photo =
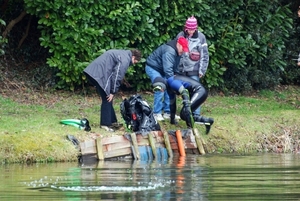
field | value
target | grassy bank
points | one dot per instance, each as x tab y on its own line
30	130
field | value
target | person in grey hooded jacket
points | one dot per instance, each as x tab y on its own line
106	73
194	64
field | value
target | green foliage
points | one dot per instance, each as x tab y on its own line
3	41
246	38
250	41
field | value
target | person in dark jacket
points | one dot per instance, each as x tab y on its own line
106	73
193	95
161	64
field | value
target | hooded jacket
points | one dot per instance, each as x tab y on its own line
196	43
109	69
165	59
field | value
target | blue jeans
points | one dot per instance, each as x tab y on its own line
197	111
161	99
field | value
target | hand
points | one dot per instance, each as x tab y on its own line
200	75
110	97
298	63
186	115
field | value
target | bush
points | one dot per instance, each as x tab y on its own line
247	39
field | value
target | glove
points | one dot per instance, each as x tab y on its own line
186	113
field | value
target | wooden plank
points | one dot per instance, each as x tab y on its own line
118	153
135	145
114	146
204	145
152	143
99	148
142	140
198	141
167	143
189	142
159	136
114	139
88	147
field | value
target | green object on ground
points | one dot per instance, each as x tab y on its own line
82	124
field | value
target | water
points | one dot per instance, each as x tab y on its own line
208	177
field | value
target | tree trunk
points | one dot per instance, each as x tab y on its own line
13	23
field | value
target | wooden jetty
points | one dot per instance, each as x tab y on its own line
155	145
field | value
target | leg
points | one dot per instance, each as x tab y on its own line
158	95
107	114
166	105
197	111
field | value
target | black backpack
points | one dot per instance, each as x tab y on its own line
138	115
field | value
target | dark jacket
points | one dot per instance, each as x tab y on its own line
165	59
109	69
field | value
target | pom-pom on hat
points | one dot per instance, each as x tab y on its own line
184	43
191	23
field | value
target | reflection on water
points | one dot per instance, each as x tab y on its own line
209	177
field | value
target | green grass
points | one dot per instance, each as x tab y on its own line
30	130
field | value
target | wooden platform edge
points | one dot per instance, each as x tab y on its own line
115	146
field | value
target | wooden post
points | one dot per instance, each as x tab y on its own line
198	141
167	143
204	145
180	143
99	147
152	144
135	145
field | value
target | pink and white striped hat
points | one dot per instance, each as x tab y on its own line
191	23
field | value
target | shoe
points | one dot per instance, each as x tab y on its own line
157	88
168	116
107	128
116	125
158	117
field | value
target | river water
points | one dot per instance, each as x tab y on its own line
194	177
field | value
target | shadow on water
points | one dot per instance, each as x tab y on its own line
208	177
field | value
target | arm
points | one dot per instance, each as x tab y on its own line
204	56
168	62
118	74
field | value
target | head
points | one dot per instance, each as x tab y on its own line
182	45
136	56
191	25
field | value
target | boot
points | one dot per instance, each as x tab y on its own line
207	121
186	113
173	119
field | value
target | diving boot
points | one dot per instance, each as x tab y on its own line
207	121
